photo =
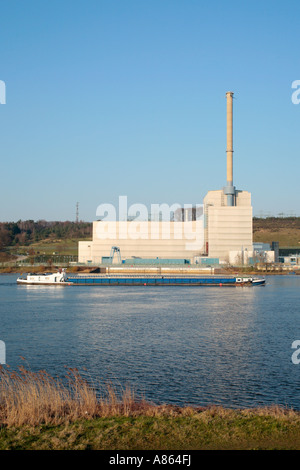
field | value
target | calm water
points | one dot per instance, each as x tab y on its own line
181	345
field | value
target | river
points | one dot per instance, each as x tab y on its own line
229	346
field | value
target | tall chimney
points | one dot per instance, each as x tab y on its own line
229	190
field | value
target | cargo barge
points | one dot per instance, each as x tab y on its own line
169	280
63	279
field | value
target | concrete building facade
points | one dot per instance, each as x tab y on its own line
143	239
227	228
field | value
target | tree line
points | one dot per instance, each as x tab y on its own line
24	233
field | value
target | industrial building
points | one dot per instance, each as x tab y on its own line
228	211
156	240
292	260
222	235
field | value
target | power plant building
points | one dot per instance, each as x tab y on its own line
227	228
224	232
143	240
228	212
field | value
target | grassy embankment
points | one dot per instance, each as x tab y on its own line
49	250
284	230
40	412
48	247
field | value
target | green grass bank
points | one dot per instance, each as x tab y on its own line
210	429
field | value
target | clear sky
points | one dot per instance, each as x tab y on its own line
127	97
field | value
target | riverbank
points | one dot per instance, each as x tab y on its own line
164	429
39	412
85	269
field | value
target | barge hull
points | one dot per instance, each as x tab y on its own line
152	281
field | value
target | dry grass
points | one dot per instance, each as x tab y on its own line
35	398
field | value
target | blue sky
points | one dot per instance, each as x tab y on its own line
113	97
